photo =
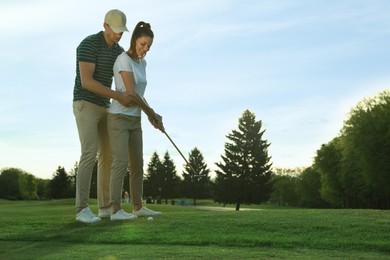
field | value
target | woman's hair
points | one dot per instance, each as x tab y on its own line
141	29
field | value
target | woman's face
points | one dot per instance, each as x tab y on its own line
142	45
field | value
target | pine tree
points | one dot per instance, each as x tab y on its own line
170	180
153	180
196	185
245	173
60	185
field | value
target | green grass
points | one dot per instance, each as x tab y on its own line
47	230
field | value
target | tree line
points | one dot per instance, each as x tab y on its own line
351	171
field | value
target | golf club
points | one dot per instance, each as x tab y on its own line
145	106
165	132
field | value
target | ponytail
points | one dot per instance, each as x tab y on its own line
143	25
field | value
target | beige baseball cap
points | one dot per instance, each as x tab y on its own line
116	19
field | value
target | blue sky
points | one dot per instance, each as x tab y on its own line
299	65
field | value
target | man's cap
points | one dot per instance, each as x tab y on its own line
116	19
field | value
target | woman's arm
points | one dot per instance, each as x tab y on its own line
129	81
154	118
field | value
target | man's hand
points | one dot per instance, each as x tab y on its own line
126	99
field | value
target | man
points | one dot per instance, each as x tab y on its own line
92	92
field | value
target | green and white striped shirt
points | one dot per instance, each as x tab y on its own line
95	50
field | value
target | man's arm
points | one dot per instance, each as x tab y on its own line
88	82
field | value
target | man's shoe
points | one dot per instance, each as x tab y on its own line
86	216
104	212
146	212
122	215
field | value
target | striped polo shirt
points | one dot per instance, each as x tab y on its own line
94	49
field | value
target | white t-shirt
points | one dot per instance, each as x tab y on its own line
125	63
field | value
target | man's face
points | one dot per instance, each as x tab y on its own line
112	36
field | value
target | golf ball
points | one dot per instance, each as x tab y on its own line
149	218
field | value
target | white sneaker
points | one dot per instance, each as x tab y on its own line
104	212
86	216
122	215
146	212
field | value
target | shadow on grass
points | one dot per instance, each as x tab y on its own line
50	231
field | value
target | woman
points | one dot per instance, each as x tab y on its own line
124	124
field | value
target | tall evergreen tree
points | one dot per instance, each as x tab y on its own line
153	180
60	184
245	173
170	180
196	185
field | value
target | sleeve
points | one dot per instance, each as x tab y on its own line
124	64
87	51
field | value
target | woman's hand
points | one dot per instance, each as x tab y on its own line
156	121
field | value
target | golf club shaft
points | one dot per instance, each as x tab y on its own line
165	132
179	152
